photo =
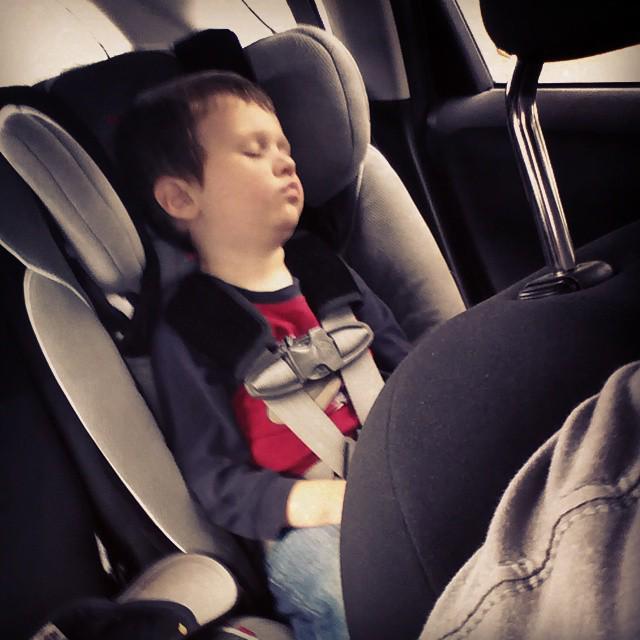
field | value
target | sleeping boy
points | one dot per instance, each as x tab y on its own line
207	154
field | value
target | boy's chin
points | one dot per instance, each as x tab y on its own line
288	226
285	232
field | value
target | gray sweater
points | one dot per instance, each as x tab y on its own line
562	555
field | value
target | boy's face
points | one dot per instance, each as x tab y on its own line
251	197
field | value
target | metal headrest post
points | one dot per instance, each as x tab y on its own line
542	192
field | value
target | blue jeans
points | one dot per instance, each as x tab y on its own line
303	568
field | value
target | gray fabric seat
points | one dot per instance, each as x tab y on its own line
312	79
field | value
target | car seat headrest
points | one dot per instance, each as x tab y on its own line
79	197
322	104
213	49
313	80
547	30
98	93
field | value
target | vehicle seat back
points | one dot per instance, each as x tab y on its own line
457	420
478	396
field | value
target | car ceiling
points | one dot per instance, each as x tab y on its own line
41	38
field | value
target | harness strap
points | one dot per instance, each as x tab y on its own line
313	426
279	378
360	376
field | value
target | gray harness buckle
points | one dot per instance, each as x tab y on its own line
312	356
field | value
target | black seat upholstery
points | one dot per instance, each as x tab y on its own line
457	420
547	31
479	395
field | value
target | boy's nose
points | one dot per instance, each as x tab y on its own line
285	165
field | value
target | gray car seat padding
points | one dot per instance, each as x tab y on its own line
79	197
111	409
418	287
198	582
322	103
191	579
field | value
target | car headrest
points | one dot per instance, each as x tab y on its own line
79	197
322	103
548	30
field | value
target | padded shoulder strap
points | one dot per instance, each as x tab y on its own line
203	308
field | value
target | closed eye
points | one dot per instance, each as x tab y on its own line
283	145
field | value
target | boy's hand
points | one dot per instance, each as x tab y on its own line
315	503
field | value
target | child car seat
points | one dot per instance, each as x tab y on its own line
354	198
105	245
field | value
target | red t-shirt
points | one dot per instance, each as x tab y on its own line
273	445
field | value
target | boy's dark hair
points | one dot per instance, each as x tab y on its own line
158	136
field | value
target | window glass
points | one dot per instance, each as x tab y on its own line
41	38
248	20
617	66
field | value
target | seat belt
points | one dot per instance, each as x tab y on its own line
279	378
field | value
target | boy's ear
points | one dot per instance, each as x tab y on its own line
176	197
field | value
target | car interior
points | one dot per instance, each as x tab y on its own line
425	173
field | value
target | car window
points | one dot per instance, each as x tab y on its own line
622	66
41	38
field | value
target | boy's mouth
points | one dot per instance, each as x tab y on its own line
292	191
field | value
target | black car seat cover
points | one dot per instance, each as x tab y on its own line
455	422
